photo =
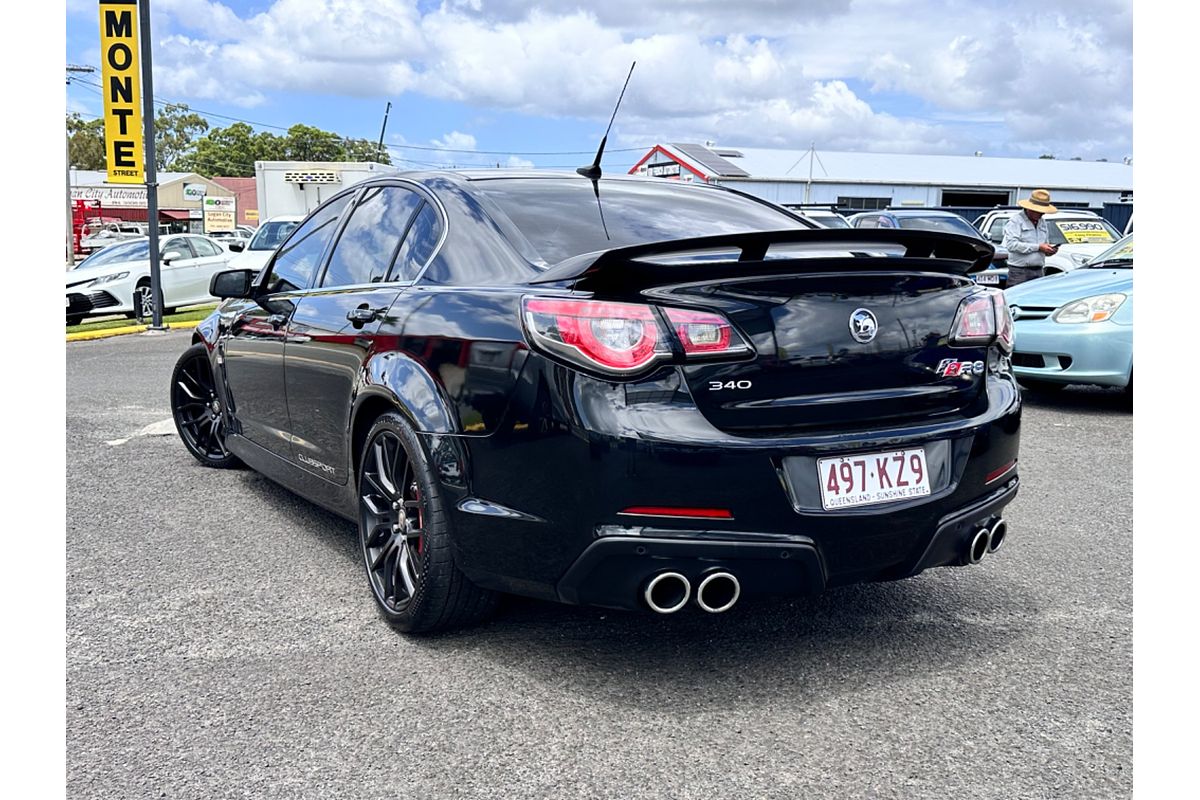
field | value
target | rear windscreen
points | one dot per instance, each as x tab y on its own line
561	219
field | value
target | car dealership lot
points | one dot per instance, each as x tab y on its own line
221	642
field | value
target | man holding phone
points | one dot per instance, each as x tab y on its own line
1027	238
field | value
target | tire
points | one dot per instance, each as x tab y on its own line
143	297
404	536
197	410
1043	387
74	319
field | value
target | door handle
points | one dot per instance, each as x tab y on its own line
364	314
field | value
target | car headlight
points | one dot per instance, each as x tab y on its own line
1080	259
1090	309
110	278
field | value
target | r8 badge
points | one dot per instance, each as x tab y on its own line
948	368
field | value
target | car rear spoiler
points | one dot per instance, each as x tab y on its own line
632	267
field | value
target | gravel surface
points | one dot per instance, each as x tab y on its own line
222	642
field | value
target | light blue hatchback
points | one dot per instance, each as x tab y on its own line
1077	327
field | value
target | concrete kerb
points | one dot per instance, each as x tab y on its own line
83	336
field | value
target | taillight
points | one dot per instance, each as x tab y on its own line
702	331
975	323
625	338
1004	333
614	337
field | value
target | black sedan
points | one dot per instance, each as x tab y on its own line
618	392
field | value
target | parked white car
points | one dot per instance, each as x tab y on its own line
1080	235
266	241
116	280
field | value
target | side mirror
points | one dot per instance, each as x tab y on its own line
236	247
172	255
232	283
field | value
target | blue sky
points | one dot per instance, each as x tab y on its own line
466	76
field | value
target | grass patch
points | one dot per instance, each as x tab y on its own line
187	315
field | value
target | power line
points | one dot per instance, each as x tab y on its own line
428	148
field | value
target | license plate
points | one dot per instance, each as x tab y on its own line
985	278
870	478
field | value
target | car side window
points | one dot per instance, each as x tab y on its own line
299	257
369	241
180	245
868	222
418	246
204	248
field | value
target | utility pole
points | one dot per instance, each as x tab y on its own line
72	69
151	166
379	149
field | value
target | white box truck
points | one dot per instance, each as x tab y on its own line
297	187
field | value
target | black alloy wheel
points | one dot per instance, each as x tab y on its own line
393	522
404	533
197	409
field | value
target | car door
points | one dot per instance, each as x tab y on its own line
331	331
251	348
210	259
177	265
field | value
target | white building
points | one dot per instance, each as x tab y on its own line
878	180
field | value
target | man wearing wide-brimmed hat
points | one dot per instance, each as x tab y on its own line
1027	238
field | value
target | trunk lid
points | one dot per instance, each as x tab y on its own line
799	300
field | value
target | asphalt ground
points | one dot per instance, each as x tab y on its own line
222	643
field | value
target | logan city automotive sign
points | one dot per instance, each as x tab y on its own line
122	90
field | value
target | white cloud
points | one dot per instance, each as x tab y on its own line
898	75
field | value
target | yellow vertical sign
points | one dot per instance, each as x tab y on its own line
122	90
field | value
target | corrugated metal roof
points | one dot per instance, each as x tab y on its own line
843	167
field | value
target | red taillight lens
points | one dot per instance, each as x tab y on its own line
613	337
702	331
1004	334
975	323
626	338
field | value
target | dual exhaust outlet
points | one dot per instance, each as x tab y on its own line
668	592
986	540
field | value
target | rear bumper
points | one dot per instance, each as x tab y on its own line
615	568
1099	353
536	508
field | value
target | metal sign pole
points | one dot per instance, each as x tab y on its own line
151	166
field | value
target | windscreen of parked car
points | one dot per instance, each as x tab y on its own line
561	218
940	225
271	235
830	220
1119	256
1081	231
117	253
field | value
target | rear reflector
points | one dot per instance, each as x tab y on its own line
685	513
997	474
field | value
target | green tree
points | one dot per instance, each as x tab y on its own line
366	150
86	147
175	129
229	151
306	143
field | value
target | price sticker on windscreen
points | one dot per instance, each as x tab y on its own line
1084	232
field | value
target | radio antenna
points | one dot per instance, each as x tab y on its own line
593	172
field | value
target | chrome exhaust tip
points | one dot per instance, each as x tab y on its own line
718	592
667	592
978	548
998	532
